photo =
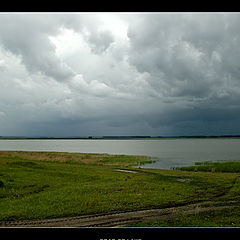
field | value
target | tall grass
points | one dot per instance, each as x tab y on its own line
218	166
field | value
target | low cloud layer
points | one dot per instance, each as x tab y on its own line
119	74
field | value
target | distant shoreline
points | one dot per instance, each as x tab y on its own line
116	137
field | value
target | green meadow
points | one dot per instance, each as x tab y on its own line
41	185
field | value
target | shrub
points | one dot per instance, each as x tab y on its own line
1	183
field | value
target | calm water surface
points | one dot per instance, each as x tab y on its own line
167	152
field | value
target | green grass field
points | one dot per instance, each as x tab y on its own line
38	185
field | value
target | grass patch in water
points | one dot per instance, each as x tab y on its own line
214	166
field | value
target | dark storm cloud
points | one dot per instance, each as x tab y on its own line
192	59
176	48
73	74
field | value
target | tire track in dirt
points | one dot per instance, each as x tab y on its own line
118	219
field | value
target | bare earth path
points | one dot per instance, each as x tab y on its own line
118	219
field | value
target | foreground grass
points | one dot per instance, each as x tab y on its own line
35	185
217	218
214	218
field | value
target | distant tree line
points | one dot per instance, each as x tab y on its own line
119	137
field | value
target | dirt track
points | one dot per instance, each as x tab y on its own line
117	219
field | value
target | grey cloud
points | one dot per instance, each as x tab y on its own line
27	37
100	41
189	55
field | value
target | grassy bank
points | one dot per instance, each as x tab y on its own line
35	185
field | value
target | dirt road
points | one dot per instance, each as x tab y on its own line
118	219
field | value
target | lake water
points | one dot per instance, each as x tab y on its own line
167	152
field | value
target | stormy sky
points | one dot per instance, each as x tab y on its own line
82	74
